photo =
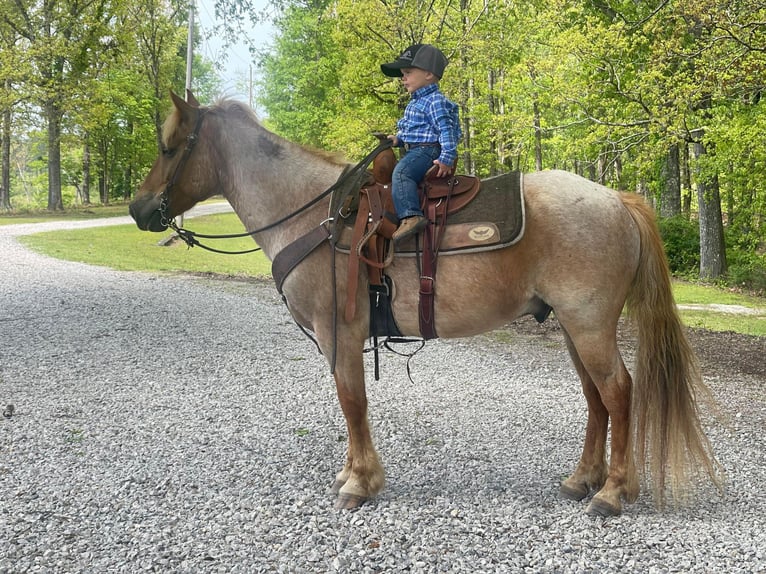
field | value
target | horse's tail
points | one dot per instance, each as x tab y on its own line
671	447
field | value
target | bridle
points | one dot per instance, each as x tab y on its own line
191	238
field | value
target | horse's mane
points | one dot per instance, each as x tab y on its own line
246	116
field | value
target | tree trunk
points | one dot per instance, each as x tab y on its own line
730	203
495	138
102	187
468	131
54	115
538	135
601	169
642	189
128	191
686	177
712	246
670	184
127	182
5	186
86	172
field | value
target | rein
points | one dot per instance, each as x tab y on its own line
191	238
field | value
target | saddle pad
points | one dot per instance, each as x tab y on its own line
493	220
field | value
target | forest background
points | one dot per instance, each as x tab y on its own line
661	98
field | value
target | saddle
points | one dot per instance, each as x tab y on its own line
374	226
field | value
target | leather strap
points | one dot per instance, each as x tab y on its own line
353	258
287	259
427	278
436	212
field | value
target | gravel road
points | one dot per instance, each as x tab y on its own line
181	424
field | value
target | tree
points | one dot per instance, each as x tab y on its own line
670	183
160	33
302	74
12	71
712	246
60	35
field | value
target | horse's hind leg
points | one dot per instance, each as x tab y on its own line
598	358
362	476
591	471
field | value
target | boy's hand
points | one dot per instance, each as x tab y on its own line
394	140
443	169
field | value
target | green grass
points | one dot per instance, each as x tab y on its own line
695	293
125	247
715	321
720	320
73	213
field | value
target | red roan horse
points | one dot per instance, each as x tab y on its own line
586	252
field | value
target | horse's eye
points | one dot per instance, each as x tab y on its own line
168	152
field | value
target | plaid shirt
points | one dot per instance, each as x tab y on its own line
430	117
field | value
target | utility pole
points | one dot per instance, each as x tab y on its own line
189	60
190	45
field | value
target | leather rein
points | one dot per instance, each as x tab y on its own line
191	238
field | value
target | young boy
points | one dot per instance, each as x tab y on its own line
428	131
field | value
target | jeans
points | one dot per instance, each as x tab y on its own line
408	173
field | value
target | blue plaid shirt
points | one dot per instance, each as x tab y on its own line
430	117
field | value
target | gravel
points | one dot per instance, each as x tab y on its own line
184	424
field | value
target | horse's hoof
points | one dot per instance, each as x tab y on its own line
574	491
349	501
336	486
602	508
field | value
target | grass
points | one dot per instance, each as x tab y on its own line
699	294
74	213
125	247
720	320
717	321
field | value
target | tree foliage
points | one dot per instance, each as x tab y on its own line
91	77
663	97
660	97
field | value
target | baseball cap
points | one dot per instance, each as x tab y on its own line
423	56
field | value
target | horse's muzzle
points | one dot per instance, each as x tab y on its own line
147	214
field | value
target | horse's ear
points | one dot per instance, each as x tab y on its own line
191	100
178	102
188	112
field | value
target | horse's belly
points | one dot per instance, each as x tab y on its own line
472	294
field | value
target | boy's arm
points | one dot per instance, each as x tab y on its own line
444	117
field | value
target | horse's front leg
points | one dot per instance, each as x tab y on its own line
362	476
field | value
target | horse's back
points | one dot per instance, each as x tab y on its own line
573	200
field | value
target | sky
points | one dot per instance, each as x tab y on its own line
235	74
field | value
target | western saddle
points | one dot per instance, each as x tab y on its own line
371	242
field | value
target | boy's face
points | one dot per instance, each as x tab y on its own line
415	78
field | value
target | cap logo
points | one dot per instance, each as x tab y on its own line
406	56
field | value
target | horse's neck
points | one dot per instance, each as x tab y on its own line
271	186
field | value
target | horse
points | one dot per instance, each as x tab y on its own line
587	252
